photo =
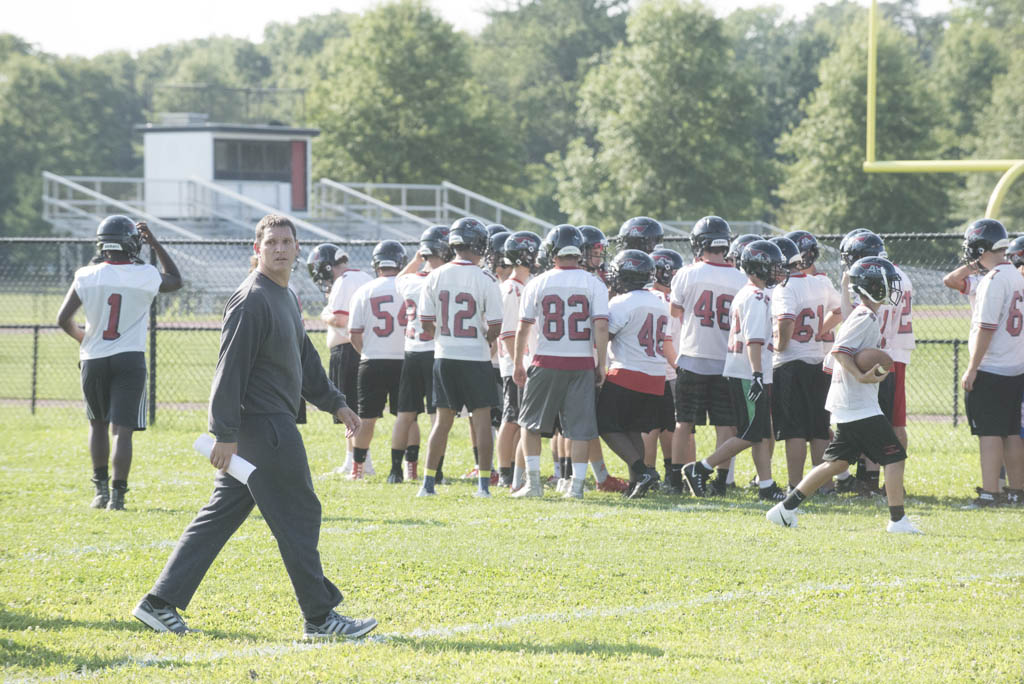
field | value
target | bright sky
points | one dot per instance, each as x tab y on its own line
93	26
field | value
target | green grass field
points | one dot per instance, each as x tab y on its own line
666	589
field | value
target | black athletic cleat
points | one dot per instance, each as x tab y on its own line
628	492
102	493
717	487
164	619
697	478
847	486
116	502
646	481
984	500
1013	497
772	493
338	626
395	476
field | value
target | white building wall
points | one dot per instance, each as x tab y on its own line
169	159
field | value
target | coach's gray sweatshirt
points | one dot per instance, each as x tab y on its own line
266	360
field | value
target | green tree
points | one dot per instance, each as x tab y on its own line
672	120
824	188
398	104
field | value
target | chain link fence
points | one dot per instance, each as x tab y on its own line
39	363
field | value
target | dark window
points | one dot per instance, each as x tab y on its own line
252	160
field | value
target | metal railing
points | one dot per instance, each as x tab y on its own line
364	213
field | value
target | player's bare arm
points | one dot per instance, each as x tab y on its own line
785	333
413	266
831	320
170	279
982	342
846	304
522	334
356	338
957	278
601	342
66	315
493	330
428	328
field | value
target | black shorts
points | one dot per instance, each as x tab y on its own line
753	420
512	397
459	383
114	388
620	409
496	409
378	384
343	370
799	390
666	417
993	406
873	437
417	384
702	399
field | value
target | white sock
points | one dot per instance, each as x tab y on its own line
533	464
518	475
845	475
579	471
600	472
707	466
765	484
731	478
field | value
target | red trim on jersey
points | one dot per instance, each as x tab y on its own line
341	311
965	287
117	263
568	363
988	326
461	262
787	317
505	336
637	381
356	330
513	278
428	319
527	320
600	317
797	275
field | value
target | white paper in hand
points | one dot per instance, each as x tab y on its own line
238	467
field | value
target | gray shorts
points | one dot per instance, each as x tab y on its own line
568	395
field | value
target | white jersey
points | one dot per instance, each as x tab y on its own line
116	299
704	291
638	326
563	303
848	398
751	315
511	297
674	328
378	313
898	324
1000	308
409	287
339	301
806	300
462	300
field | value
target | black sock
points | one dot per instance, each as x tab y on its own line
896	513
862	469
676	474
872	478
637	469
412	453
668	466
703	467
101	474
396	458
476	456
156	601
359	455
440	464
795	498
119	484
567	468
722	474
506	472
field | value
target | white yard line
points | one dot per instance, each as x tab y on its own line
445	632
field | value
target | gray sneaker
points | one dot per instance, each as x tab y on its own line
160	619
338	625
116	502
102	493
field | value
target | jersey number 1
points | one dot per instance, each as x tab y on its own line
111	333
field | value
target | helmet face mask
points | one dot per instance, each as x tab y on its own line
468	233
1015	252
710	232
763	259
595	247
322	261
667	262
389	254
495	255
631	269
640	232
984	235
118	233
876	279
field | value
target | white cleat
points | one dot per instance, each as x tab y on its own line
368	466
902	526
780	516
563	485
574	490
533	489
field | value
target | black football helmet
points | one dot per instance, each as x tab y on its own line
118	233
495	255
667	263
984	235
640	232
434	243
808	246
566	241
495	228
631	269
595	246
321	263
876	278
790	253
544	258
522	249
388	254
1015	252
711	232
860	243
470	234
763	259
736	248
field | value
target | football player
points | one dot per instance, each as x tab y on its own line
115	291
377	330
732	257
748	369
701	297
630	399
570	308
805	309
329	270
994	379
640	232
415	389
667	262
853	402
595	250
460	306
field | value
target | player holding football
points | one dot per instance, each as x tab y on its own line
116	291
853	402
749	372
377	329
460	306
570	308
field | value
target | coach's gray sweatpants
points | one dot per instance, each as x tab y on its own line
282	488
